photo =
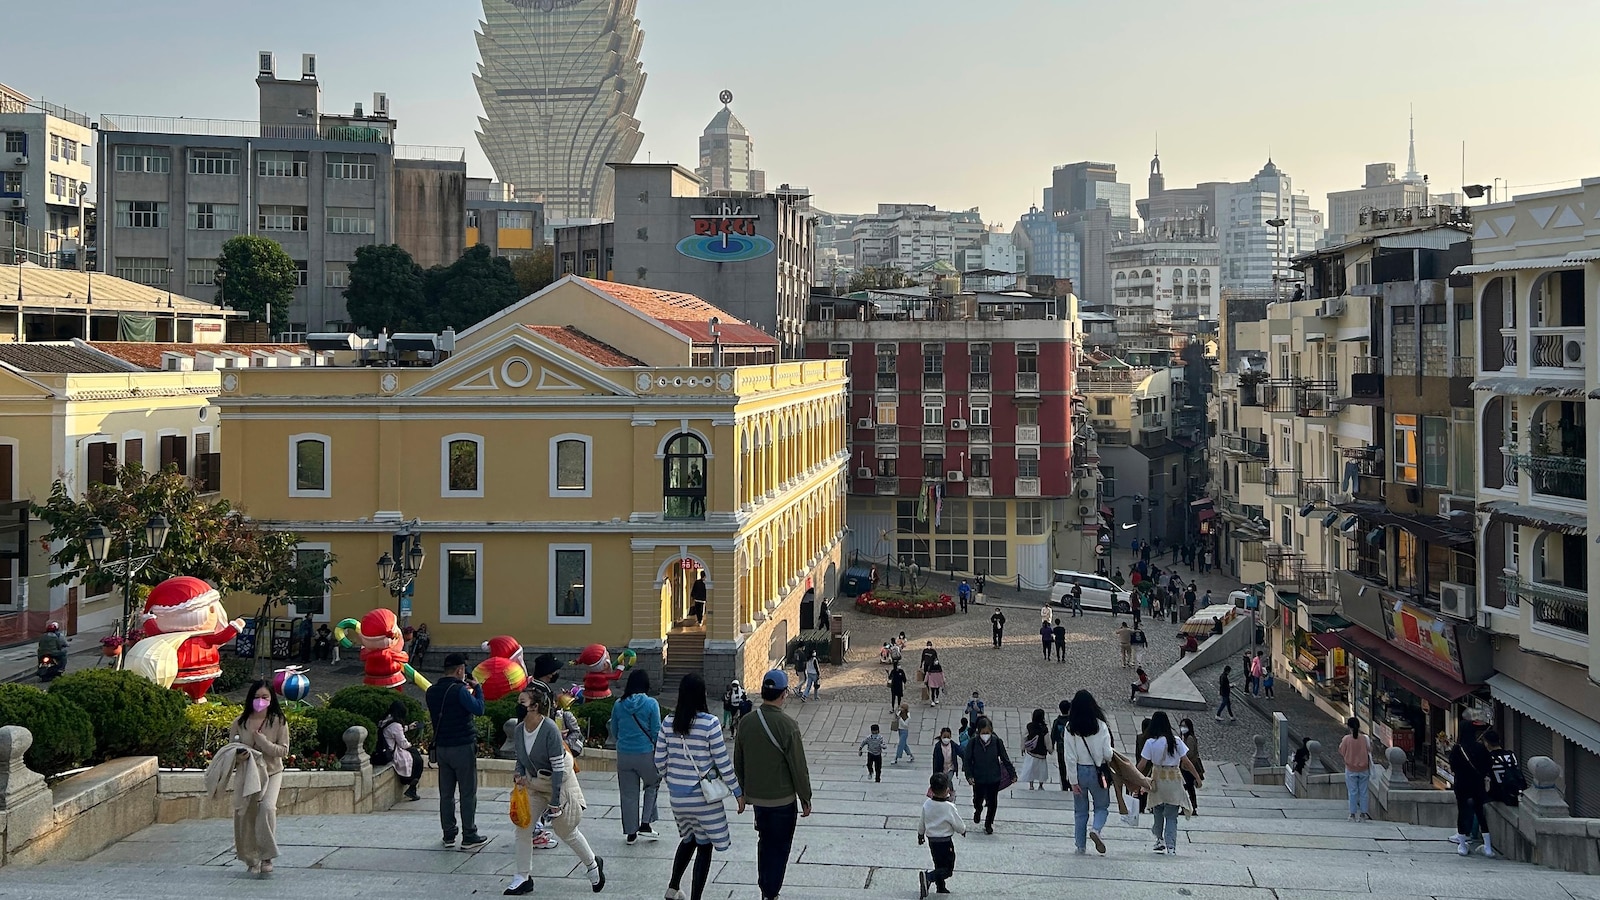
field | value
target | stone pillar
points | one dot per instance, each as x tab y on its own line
508	750
1314	764
1280	738
355	757
1261	760
1543	796
1397	768
24	797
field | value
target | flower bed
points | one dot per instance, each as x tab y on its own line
914	606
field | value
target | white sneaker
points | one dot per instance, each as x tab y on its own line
1486	851
675	894
1458	839
1463	849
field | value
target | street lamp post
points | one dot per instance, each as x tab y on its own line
154	537
1277	246
398	568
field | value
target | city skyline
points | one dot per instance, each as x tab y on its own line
859	145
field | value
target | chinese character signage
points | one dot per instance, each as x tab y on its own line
726	235
1424	636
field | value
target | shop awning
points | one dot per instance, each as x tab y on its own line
1417	677
1203	501
1558	716
1107	511
1537	517
1327	640
1205	514
1430	528
1329	622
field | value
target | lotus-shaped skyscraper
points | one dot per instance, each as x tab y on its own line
560	81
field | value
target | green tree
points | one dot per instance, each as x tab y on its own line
385	290
536	271
209	539
253	275
471	289
878	278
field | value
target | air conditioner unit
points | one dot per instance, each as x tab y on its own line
21	160
863	423
1084	512
1449	505
1049	317
958	424
1085	493
1572	353
954	475
1458	601
19	202
863	472
1331	309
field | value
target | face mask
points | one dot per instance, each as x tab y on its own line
985	737
1183	730
260	705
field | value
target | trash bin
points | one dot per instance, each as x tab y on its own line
836	625
839	647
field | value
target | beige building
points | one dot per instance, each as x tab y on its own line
573	465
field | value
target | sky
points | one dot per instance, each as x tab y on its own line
956	103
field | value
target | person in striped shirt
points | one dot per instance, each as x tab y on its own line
690	748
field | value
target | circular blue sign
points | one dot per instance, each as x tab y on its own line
726	247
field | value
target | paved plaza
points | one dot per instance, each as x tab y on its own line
1249	842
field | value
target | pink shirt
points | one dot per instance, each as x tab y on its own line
1357	753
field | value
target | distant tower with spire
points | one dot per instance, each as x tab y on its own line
1412	176
1158	182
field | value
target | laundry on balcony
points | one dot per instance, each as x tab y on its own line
1429	528
1527	387
1537	517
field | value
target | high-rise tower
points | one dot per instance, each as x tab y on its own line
727	154
559	81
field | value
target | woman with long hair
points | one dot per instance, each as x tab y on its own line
636	724
1164	757
1356	751
1187	735
1036	750
263	728
544	769
406	760
1088	756
691	748
987	765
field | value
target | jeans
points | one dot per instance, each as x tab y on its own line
985	795
1355	788
905	746
813	686
875	765
1089	780
943	851
774	839
458	772
1166	825
996	636
636	773
1226	704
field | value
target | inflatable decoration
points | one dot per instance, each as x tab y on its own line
596	662
291	683
500	677
378	637
184	623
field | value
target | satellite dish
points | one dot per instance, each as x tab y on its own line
726	97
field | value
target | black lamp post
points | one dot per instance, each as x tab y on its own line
152	538
399	567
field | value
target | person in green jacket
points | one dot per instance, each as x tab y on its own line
769	760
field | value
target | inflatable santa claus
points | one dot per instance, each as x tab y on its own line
503	673
382	660
184	623
598	675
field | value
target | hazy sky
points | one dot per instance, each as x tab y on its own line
951	102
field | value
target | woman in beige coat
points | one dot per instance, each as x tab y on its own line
263	728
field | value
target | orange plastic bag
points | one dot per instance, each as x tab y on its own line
521	809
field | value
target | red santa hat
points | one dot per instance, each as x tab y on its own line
591	656
181	604
378	623
504	647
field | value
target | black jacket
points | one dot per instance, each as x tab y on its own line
1471	766
985	763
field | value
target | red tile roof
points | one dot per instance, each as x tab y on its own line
148	355
578	342
686	314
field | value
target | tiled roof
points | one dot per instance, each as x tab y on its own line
148	355
60	359
578	342
69	287
684	313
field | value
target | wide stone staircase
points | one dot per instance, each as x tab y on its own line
1249	841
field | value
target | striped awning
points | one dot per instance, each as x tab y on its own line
1575	258
1536	516
1526	387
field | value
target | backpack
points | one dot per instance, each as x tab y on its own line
383	754
1506	777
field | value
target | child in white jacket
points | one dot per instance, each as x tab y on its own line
938	826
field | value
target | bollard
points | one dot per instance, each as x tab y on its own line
1397	767
1314	764
508	750
1543	796
355	757
1261	760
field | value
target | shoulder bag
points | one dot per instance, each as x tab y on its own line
1102	770
712	788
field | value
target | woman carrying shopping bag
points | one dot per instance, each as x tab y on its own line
544	770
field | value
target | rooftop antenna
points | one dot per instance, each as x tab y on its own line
1411	157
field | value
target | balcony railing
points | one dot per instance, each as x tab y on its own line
1508	348
1368	566
1027	487
933	381
933	434
1318	490
1281	482
1553	605
1237	443
979	487
1278	395
888	434
1027	382
979	381
888	381
887	484
1316	584
1027	434
1558	476
1550	346
1317	399
978	434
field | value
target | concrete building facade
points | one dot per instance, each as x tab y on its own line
495	217
1168	275
46	174
727	155
1256	255
914	236
1051	251
1380	192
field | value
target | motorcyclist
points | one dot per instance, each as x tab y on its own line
53	645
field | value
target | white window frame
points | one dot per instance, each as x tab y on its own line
122	447
327	589
444	465
588	585
327	465
444	584
588	467
932	416
979	415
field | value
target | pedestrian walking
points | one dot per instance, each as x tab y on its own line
1225	691
1137	642
1124	636
454	702
1036	749
940	822
1257	672
897	685
1164	757
965	593
997	626
1266	683
1058	739
900	724
1206	600
1059	634
395	749
1118	578
978	586
872	747
636	726
770	761
1047	638
1187	735
261	734
1356	751
1506	780
1077	600
813	685
544	769
989	770
1089	766
691	756
935	680
306	632
1144	551
697	599
946	756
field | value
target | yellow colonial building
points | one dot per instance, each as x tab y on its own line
573	464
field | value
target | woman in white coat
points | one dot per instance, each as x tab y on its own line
1086	747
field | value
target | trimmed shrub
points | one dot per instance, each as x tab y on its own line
63	736
331	725
373	702
303	734
594	717
131	715
499	711
236	674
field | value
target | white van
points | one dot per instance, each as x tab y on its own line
1099	592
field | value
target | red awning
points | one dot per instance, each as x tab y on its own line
1327	640
1205	514
1107	511
1417	677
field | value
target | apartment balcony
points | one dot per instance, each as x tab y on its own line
1366	387
1028	383
1508	348
1110	381
1317	399
1281	482
1278	395
1027	434
980	487
1027	487
979	382
1557	476
933	434
1318	490
1553	605
1243	446
1367	565
888	381
978	434
886	485
933	381
887	434
1549	348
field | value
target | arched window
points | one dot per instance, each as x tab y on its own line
684	476
571	459
461	466
1177	276
310	465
